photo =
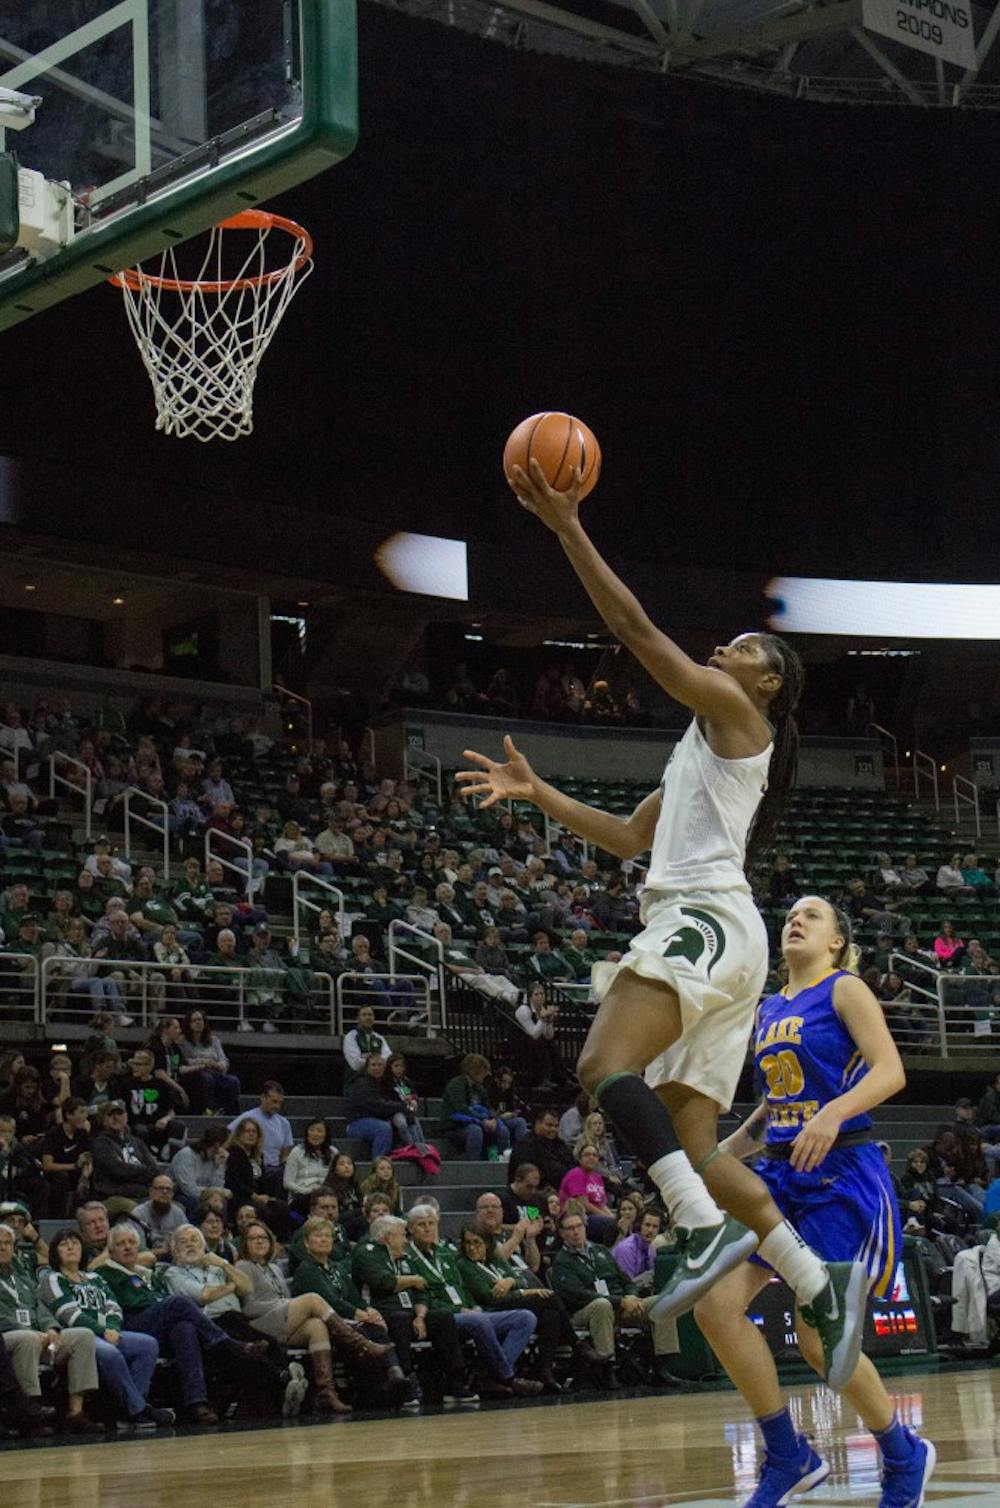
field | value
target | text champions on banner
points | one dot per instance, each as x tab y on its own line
941	27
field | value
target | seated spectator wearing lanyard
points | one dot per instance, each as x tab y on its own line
331	1280
381	1267
494	1282
27	1337
125	1361
600	1297
499	1338
181	1328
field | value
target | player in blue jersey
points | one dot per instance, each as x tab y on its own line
825	1058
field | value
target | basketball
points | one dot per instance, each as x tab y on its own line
559	443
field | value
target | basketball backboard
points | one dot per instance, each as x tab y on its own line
139	123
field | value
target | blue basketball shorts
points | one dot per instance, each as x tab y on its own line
845	1209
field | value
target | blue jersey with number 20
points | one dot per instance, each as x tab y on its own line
805	1057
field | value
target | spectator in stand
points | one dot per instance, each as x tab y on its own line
918	1193
152	1105
120	868
373	1112
360	1043
10	1062
950	880
123	1165
26	1104
613	909
343	1181
782	883
199	1168
545	963
276	1131
296	851
192	899
320	1276
595	1130
97	1087
419	913
499	1337
176	965
308	1164
977	878
543	1147
250	1180
988	1111
584	1184
21	1178
66	1159
213	1229
863	906
181	1328
19	828
121	946
601	1298
27	1336
382	1180
495	1283
887	880
977	960
635	1254
159	1215
54	1084
467	1117
949	949
215	790
324	1204
204	1068
914	878
971	1171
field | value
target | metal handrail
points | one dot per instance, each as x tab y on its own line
131	793
998	816
155	987
86	790
930	770
411	765
368	737
962	1010
894	741
343	981
304	701
396	926
960	796
930	993
234	842
552	832
303	877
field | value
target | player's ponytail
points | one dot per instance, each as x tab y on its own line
782	659
849	957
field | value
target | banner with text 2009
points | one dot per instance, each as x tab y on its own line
941	27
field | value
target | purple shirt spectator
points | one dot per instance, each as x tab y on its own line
634	1256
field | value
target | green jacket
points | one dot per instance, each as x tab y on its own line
138	1289
373	1269
90	1305
18	1291
575	1276
479	1278
297	1248
332	1281
580	960
463	1101
446	1292
988	1113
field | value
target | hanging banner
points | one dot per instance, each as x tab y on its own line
941	27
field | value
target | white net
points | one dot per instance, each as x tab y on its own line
202	333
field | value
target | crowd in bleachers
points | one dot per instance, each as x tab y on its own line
157	1212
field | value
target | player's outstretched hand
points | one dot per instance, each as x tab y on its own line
815	1140
556	509
513	781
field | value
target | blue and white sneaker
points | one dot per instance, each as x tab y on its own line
904	1482
783	1477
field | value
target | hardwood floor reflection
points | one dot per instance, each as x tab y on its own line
700	1450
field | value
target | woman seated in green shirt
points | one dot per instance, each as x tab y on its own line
498	1283
319	1274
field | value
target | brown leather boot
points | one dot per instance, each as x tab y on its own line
328	1401
351	1338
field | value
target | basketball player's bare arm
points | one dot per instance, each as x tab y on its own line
515	780
710	693
862	1015
747	1140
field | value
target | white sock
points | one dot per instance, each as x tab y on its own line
789	1255
684	1192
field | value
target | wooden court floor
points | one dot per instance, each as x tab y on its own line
698	1449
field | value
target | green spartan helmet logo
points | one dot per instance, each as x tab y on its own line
690	942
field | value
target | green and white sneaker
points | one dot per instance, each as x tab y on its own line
706	1254
838	1315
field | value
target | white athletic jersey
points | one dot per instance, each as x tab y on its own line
708	805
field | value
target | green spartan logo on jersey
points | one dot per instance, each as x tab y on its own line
690	942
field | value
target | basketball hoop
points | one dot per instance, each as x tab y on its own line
202	338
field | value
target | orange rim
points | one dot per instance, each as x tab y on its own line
247	219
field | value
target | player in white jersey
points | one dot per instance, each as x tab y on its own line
680	1004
